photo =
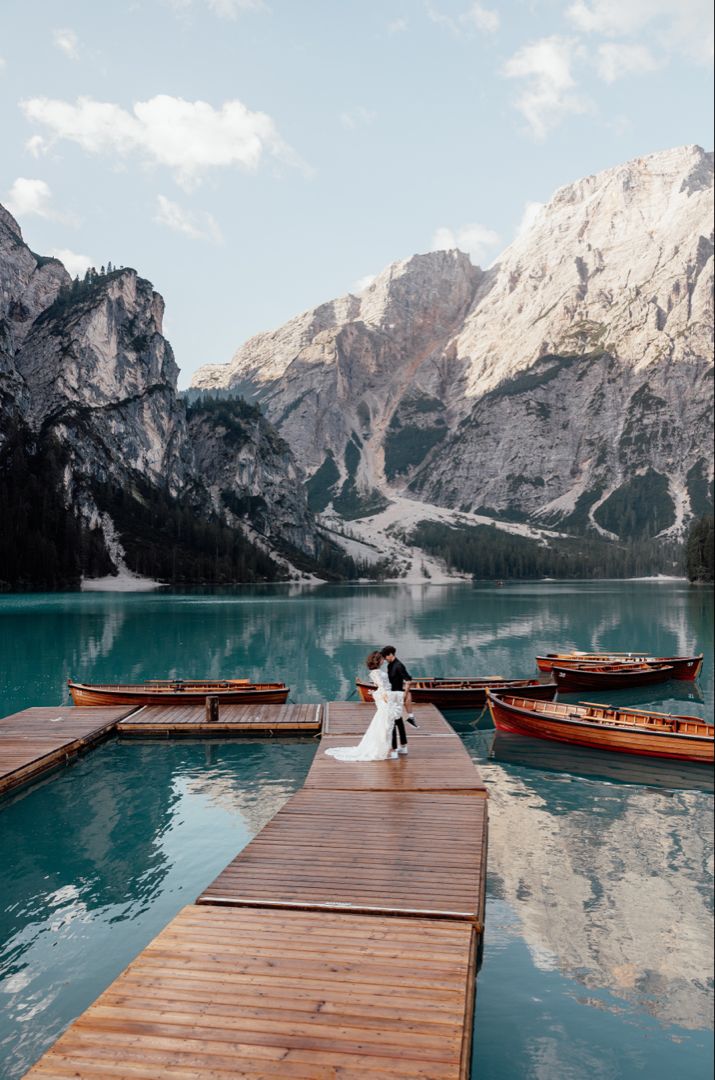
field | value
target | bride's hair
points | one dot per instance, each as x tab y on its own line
374	660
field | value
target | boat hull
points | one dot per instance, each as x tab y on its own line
510	717
466	697
94	695
584	678
684	667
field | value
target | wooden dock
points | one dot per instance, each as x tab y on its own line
170	721
223	993
412	853
34	741
342	942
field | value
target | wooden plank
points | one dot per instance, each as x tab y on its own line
434	764
39	739
256	720
280	994
407	853
353	718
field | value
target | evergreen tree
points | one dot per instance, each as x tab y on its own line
699	549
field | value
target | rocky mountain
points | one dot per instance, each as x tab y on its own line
100	469
570	384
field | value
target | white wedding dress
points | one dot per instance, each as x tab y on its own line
376	743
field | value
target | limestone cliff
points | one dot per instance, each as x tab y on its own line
89	408
250	473
570	383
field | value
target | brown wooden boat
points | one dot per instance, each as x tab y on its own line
610	676
179	692
684	667
465	693
603	727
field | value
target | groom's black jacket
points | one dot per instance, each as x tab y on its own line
398	674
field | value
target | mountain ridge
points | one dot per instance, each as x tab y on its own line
435	382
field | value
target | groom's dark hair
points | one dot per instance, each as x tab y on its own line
389	650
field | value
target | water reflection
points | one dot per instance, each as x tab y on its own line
610	883
316	638
602	764
98	858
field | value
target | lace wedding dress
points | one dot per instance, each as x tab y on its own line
376	743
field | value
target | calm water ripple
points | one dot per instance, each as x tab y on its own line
598	957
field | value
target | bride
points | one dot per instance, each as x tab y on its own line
376	743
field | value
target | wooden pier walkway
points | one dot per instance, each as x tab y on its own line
259	720
36	740
224	993
342	942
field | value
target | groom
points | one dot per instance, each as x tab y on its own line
399	678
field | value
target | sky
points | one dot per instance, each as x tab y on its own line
255	158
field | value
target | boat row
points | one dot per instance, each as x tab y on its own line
570	671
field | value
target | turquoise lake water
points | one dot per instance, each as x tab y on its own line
598	951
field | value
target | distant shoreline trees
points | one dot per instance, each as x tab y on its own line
699	549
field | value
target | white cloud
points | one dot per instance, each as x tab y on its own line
188	137
75	264
528	218
363	283
476	240
615	60
32	198
231	9
67	42
481	18
397	26
36	146
684	26
225	9
475	17
357	117
197	226
548	95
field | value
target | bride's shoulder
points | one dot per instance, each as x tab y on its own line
378	676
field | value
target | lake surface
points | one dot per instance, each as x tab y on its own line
598	953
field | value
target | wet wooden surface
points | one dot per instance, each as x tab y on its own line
247	992
169	720
38	739
432	764
353	718
398	853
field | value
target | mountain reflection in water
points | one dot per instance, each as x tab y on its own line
608	880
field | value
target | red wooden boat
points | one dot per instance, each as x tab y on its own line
610	676
684	667
179	692
603	727
464	693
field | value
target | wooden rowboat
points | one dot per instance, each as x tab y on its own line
464	693
610	676
179	692
603	727
684	667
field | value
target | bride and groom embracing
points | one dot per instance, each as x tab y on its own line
391	695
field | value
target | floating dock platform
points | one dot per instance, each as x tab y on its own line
170	721
35	741
342	942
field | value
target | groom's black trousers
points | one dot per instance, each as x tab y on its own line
399	727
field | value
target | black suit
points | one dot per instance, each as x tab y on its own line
398	674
